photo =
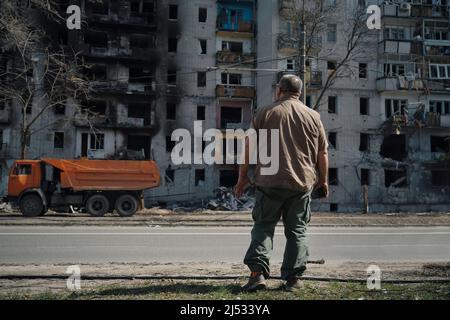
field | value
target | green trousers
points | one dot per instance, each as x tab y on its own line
271	205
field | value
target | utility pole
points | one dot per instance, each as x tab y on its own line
302	53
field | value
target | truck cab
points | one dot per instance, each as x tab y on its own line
24	175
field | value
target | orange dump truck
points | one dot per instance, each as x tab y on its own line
98	186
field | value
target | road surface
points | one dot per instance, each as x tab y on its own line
42	245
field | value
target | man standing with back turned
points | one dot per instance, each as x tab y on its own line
287	193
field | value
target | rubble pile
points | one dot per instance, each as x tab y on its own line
226	201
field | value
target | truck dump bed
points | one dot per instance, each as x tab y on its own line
81	175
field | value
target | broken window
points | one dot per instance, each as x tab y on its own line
395	178
199	177
365	177
332	139
140	143
97	7
440	178
331	65
169	176
94	107
202	14
138	7
231	78
440	144
139	110
97	141
171	111
233	46
333	177
441	107
172	45
203	46
332	32
230	115
169	144
395	107
60	108
364	142
228	178
394	70
148	7
201	113
363	70
334	207
139	75
332	104
58	140
139	41
173	12
201	79
96	72
364	106
394	147
172	77
96	39
308	101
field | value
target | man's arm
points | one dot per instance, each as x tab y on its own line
322	166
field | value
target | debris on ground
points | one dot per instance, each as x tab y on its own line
5	207
226	201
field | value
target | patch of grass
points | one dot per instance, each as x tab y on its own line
200	290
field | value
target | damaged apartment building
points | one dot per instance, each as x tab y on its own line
159	65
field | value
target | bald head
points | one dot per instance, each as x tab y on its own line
290	84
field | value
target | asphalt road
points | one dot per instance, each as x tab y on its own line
42	245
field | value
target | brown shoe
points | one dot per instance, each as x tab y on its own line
292	285
255	283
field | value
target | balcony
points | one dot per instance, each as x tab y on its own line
287	8
136	21
84	120
109	86
235	91
430	11
395	47
235	57
287	42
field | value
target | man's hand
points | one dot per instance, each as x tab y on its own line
241	185
324	185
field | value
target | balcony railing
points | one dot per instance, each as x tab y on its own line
235	57
235	91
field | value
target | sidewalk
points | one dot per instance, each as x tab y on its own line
162	217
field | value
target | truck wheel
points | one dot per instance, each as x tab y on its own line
97	205
127	205
31	205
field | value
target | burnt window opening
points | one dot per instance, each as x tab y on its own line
363	70
201	79
138	7
332	104
58	140
394	147
60	108
173	12
231	78
395	107
97	7
331	65
170	144
148	6
365	177
201	112
96	39
97	141
169	176
395	178
97	72
233	46
140	143
143	42
332	139
199	177
171	111
140	111
228	178
172	45
202	14
139	75
203	46
364	142
172	77
230	115
334	207
364	106
94	107
440	178
440	144
333	177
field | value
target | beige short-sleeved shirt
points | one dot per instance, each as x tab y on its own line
301	138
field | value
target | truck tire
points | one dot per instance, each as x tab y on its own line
127	205
97	205
31	205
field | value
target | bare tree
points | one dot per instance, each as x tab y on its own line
315	16
41	74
